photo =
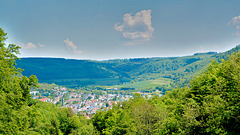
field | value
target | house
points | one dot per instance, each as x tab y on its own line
63	89
45	99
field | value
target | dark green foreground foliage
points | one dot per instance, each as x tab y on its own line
19	114
210	106
46	118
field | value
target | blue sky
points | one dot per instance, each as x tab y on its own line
112	29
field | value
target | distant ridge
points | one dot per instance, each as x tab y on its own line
111	72
209	53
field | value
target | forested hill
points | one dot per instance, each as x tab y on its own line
111	72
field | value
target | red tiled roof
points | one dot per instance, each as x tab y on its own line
44	99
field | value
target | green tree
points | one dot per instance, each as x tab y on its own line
19	113
14	90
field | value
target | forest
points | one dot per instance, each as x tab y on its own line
209	105
78	73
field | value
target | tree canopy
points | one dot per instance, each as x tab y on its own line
79	73
209	106
20	114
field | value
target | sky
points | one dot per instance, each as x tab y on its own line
119	29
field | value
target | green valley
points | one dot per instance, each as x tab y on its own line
208	105
104	67
123	72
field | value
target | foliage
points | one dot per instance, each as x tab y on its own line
14	89
20	114
209	106
78	73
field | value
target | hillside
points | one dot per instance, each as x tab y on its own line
77	73
209	106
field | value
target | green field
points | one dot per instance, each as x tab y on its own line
106	82
146	84
73	83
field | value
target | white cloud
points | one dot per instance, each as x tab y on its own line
71	45
41	45
136	28
236	22
29	45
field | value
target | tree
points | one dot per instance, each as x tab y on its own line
217	91
209	106
14	90
19	113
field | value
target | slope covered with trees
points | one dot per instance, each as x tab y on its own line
209	106
19	113
77	73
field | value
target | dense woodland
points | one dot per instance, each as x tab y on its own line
19	113
209	105
79	73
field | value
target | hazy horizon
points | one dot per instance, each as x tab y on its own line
117	58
